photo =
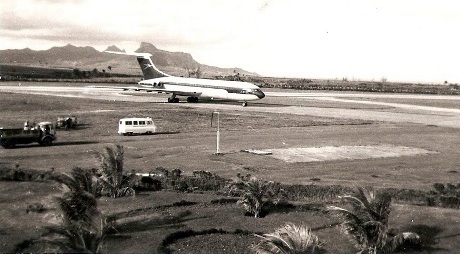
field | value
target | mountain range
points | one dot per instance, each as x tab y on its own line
88	58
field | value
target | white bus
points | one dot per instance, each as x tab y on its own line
130	126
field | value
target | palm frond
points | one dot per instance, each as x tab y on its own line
78	235
86	179
344	213
367	220
125	192
66	180
288	239
79	180
77	205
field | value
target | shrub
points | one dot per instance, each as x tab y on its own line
449	201
255	193
20	175
313	192
439	187
181	186
147	183
200	181
35	208
447	195
206	181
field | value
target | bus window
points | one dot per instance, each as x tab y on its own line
134	122
121	122
141	122
129	123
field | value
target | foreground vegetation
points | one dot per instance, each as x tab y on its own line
83	227
257	192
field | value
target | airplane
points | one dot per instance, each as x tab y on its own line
194	88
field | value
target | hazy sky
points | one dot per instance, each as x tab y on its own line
401	40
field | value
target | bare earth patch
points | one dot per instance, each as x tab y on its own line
327	153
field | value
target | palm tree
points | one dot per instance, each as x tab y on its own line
288	239
367	222
254	193
83	227
114	183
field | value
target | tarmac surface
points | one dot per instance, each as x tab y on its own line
382	111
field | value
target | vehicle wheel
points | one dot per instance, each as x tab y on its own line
47	141
7	144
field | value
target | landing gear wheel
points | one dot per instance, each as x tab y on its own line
192	99
245	104
173	100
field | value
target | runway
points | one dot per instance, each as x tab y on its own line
381	110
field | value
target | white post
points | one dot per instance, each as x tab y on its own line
218	133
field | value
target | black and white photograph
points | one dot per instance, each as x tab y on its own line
262	126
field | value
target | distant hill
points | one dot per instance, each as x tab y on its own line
88	58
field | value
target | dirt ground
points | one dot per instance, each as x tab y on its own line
335	128
186	139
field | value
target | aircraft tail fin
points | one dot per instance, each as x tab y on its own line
149	70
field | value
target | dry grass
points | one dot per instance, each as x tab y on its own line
187	141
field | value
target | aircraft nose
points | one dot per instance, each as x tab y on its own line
259	94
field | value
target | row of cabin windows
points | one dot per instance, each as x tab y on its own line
136	122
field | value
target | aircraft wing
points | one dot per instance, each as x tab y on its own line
148	88
138	88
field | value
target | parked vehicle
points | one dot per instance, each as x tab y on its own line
69	122
130	126
43	133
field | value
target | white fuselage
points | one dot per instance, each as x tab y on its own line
205	88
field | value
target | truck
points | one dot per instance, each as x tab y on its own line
43	133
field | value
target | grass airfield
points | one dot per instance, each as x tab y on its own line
366	140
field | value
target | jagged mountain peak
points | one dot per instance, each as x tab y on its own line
114	48
147	47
